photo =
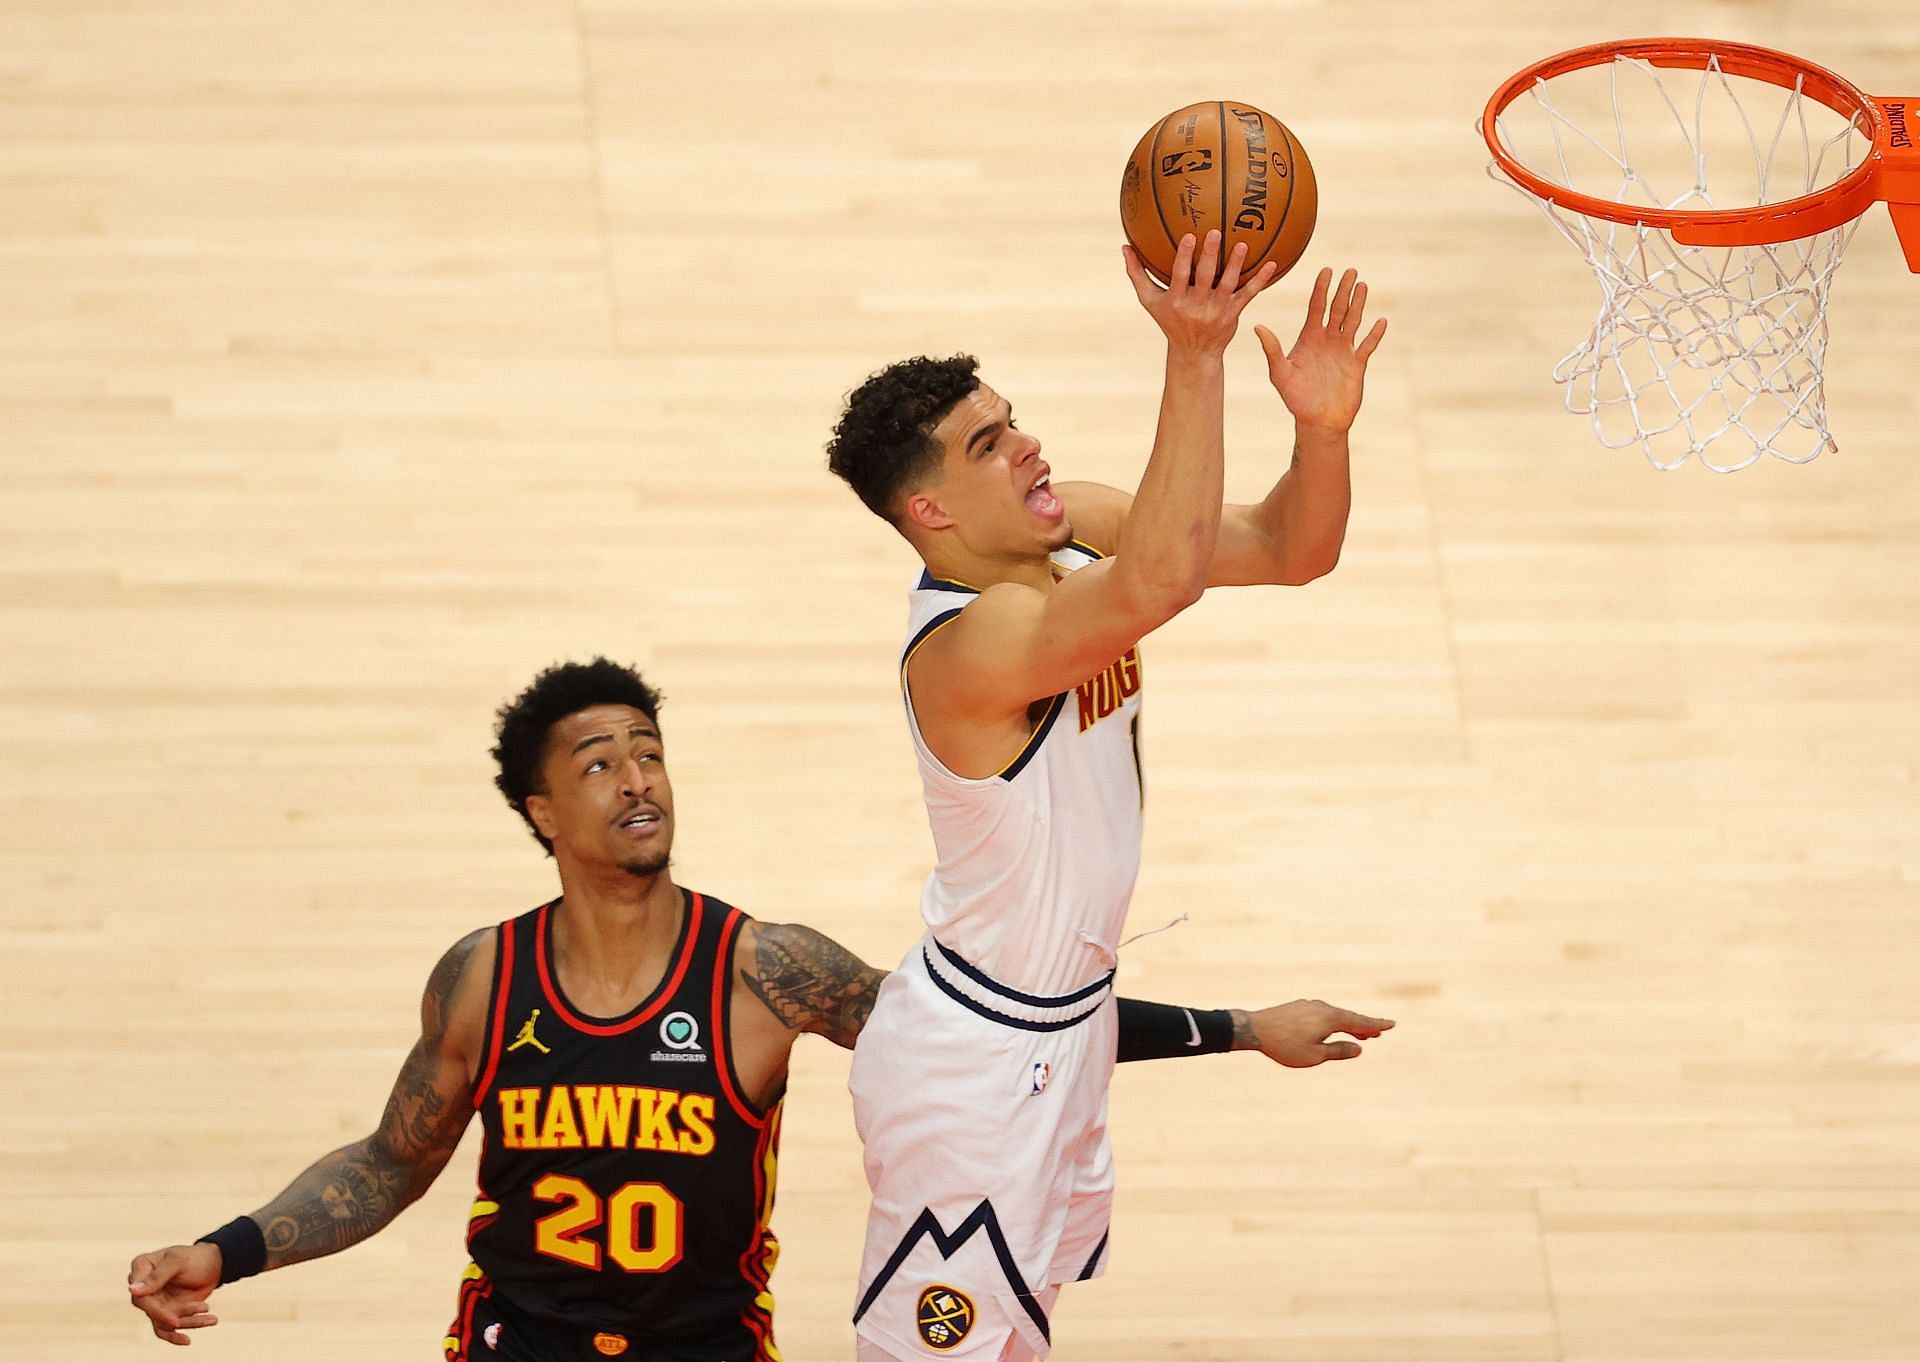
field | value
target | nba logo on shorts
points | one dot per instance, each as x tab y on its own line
1042	1074
492	1335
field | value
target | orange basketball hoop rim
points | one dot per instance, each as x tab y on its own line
1889	173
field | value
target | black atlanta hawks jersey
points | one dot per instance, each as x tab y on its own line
626	1182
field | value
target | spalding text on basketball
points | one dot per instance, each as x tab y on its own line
1253	199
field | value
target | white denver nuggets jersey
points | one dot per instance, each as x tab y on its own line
1036	864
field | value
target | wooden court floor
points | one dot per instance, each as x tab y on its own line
359	359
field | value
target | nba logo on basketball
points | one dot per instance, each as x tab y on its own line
1042	1075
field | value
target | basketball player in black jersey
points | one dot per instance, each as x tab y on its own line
626	1047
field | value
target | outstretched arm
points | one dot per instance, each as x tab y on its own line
1293	535
1296	1034
1014	645
356	1190
813	983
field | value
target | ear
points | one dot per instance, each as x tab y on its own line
540	810
923	511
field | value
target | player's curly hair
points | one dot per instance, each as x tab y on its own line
521	727
883	442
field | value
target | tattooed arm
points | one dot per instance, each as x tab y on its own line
359	1189
809	982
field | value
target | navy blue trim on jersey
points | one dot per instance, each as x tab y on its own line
1039	736
927	630
1094	1261
927	1226
1139	771
929	582
981	1009
993	985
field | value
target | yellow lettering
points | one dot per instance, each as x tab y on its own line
519	1110
696	1111
623	1228
1101	695
560	1132
656	1124
555	1235
606	1114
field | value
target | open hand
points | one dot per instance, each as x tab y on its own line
1296	1034
1194	315
171	1288
1322	377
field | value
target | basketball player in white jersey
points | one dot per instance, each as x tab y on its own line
980	1082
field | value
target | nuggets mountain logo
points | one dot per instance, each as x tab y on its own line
944	1317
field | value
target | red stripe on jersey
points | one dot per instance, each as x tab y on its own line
471	1293
502	981
755	1267
620	1028
760	1325
723	1054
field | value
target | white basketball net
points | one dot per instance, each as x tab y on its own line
1713	351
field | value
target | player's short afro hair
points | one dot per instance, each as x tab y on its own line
522	725
883	443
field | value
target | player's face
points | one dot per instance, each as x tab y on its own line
608	799
995	488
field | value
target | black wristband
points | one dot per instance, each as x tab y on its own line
243	1249
1160	1031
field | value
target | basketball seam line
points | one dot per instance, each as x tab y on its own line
1220	135
1294	154
1153	188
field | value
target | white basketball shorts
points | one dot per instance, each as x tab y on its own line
983	1111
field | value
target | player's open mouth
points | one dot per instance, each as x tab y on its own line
642	821
1041	500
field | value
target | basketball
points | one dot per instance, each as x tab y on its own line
1219	165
